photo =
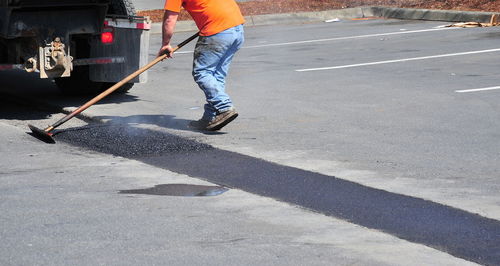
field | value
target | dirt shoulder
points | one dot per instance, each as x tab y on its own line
262	7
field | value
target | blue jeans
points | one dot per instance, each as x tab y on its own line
212	57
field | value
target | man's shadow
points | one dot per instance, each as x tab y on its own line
165	121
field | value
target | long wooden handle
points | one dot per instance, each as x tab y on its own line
117	85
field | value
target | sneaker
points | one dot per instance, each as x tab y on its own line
217	123
222	119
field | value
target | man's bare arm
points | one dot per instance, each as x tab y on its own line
168	26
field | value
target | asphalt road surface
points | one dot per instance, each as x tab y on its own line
390	125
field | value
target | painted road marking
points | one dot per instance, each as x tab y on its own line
481	89
399	60
346	38
335	39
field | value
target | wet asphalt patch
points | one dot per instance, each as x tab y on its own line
183	190
130	142
457	232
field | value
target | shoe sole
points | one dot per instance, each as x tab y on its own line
223	122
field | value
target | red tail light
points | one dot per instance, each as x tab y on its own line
108	36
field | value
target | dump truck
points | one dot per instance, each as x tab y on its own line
85	46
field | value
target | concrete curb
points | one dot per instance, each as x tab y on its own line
430	14
350	13
304	17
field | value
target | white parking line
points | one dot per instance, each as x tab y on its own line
481	89
335	39
399	60
347	38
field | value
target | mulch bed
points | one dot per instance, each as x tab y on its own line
261	7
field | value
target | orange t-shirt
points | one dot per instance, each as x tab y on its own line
211	16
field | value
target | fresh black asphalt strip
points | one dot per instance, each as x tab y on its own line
457	232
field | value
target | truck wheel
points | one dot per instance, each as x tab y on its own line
78	83
121	7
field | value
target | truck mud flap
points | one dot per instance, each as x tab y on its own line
126	38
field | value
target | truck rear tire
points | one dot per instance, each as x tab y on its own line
121	7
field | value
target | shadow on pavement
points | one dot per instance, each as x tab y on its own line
11	109
24	93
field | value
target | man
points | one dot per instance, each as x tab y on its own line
221	35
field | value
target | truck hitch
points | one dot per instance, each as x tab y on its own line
31	65
54	62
